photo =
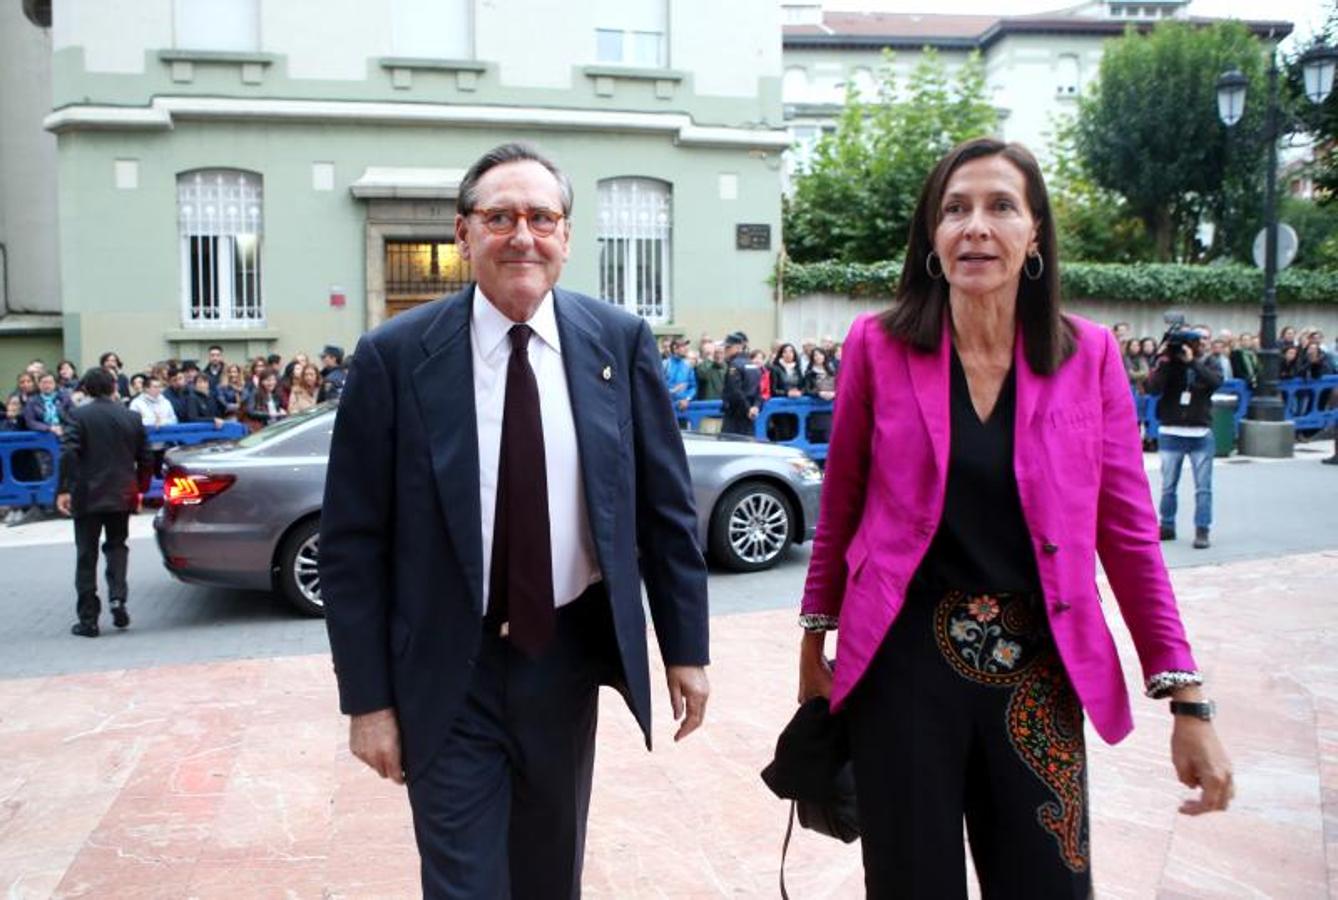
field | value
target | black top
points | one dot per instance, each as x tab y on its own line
982	544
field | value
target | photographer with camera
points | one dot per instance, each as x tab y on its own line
1185	385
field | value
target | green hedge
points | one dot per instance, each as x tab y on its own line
1158	284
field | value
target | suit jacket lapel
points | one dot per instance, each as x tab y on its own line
444	386
929	378
585	359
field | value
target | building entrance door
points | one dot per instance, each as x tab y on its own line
419	270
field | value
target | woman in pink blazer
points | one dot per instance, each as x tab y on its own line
984	451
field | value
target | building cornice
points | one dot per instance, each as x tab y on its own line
163	112
1271	30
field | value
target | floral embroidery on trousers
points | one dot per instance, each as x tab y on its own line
1003	640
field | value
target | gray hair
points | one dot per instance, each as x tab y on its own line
516	151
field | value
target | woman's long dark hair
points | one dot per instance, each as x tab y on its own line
921	301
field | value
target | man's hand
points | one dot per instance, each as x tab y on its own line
683	404
688	690
63	504
752	412
374	738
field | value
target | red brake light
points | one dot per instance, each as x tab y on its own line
180	488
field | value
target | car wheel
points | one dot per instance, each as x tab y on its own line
299	575
751	527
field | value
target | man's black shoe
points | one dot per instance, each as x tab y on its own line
1200	539
1168	532
120	618
83	629
1331	460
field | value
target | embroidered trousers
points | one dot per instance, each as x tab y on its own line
966	713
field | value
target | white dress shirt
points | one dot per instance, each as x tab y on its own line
575	566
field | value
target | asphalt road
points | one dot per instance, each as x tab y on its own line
1262	509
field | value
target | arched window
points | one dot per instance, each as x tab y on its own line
635	225
865	84
794	85
220	217
1067	73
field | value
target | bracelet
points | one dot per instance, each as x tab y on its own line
818	622
1163	683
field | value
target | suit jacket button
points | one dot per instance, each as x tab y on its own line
1050	548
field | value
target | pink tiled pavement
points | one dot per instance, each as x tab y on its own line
232	779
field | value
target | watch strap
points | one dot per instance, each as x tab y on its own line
1204	710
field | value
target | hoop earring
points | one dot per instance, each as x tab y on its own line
1040	267
930	269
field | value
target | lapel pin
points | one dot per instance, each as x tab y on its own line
607	374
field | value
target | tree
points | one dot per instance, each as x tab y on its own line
1094	224
854	203
1149	131
1321	119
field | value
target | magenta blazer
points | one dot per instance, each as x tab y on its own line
1079	468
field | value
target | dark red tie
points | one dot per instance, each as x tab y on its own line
521	584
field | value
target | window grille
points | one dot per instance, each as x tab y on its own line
424	269
635	226
220	221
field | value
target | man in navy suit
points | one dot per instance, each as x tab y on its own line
505	471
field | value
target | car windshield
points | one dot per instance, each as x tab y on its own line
283	427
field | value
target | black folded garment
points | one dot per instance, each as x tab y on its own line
812	768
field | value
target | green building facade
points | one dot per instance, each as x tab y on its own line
237	173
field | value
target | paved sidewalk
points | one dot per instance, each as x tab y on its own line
233	780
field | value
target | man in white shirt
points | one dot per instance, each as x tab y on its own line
506	470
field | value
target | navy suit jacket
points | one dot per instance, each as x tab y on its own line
401	559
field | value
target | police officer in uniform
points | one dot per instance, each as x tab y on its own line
742	397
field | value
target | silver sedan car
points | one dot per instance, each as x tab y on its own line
246	514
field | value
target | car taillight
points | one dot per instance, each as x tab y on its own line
181	488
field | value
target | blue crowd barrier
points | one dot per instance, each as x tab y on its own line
23	491
15	488
1308	403
802	422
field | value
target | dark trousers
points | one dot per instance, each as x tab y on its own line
738	423
966	712
501	810
88	528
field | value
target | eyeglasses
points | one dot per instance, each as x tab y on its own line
501	220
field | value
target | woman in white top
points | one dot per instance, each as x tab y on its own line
153	408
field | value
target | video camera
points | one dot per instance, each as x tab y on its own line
1178	336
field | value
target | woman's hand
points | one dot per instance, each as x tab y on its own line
1201	762
815	676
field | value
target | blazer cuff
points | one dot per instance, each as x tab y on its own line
1163	683
818	622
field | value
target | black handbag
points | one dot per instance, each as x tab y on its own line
812	769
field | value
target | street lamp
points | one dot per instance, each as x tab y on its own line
1318	66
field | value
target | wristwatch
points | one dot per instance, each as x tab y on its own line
1205	710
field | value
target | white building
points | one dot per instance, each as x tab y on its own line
1037	66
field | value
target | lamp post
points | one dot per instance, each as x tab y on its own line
1318	66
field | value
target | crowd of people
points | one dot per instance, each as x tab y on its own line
175	391
170	392
698	373
744	379
1303	354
